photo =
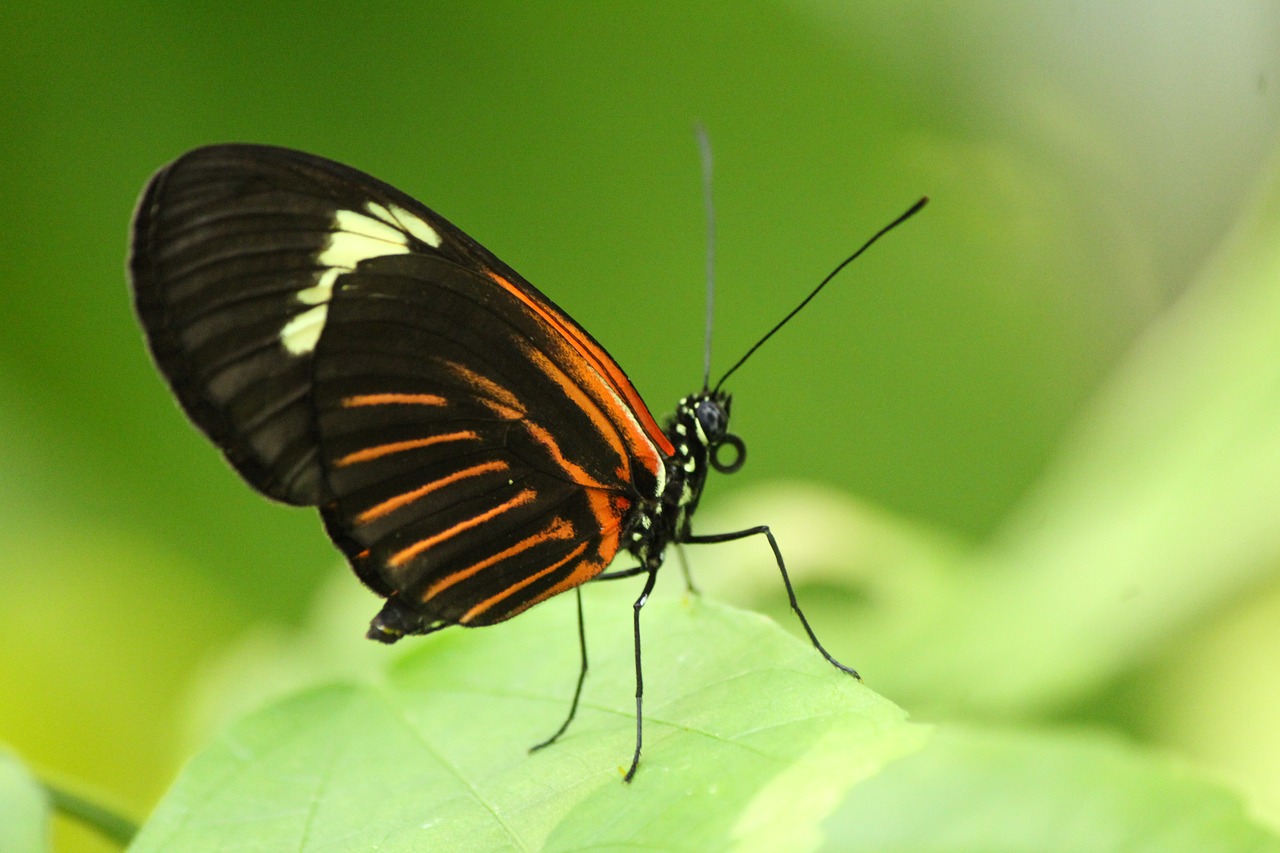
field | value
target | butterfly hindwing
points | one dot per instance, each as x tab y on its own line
469	493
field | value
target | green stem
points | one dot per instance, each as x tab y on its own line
111	825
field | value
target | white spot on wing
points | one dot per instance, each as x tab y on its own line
347	248
381	212
354	237
301	334
372	226
407	222
417	226
323	289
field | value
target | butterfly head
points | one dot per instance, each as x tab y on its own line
706	416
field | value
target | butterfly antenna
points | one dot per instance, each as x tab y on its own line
914	209
704	147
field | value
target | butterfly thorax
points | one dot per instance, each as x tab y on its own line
696	431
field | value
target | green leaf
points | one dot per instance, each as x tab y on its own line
750	738
978	791
24	808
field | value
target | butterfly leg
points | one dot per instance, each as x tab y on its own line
638	570
621	573
644	596
786	580
684	567
582	677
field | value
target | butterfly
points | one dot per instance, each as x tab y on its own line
471	449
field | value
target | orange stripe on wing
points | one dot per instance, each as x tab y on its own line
404	555
608	510
392	504
394	399
575	472
604	425
379	450
558	529
497	398
599	359
514	588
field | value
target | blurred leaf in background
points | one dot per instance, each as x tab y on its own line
1032	439
1075	791
24	808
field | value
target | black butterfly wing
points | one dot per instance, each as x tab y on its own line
469	471
472	449
226	242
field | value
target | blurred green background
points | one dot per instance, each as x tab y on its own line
1056	389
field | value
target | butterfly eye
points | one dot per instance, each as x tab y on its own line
713	419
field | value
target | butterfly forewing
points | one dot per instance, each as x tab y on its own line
217	265
472	449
